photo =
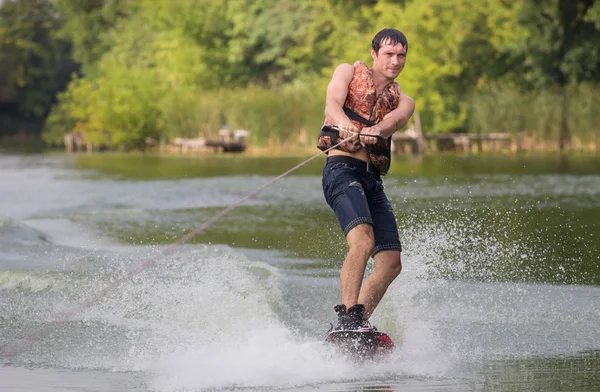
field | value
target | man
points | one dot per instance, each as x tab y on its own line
367	103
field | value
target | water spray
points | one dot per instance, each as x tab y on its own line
15	349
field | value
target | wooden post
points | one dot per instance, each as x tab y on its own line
418	144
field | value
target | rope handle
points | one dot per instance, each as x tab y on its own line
359	135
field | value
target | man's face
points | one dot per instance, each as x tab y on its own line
390	59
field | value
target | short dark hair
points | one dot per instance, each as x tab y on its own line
393	36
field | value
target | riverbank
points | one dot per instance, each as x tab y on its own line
167	166
440	144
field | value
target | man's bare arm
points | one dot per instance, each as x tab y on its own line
336	97
393	121
398	117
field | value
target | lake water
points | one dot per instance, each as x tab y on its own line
500	289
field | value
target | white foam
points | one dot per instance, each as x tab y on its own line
270	357
11	280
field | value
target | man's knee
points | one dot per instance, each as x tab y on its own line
364	245
396	267
361	239
391	261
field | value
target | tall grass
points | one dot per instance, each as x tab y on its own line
286	117
539	119
282	117
289	117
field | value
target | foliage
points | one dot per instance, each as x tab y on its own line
561	44
184	68
537	114
454	47
86	24
32	60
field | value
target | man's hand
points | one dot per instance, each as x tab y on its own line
348	129
370	135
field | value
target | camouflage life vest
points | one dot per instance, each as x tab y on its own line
365	109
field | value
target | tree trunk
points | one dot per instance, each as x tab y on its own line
564	134
418	145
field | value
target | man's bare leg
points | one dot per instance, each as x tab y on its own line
361	242
388	265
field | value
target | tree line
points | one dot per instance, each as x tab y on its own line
121	72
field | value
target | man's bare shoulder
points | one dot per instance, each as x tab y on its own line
344	70
407	99
345	66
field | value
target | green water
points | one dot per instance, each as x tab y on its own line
140	166
499	290
532	218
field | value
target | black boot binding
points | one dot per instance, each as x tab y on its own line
351	319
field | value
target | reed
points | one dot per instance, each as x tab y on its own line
273	116
554	118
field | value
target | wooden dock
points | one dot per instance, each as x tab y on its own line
227	141
412	143
230	146
415	141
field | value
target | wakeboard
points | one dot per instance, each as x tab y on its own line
361	344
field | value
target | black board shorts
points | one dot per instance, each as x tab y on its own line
356	196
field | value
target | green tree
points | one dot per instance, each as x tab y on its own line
154	68
561	47
562	42
453	49
88	24
34	62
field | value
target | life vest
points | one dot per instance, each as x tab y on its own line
365	109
